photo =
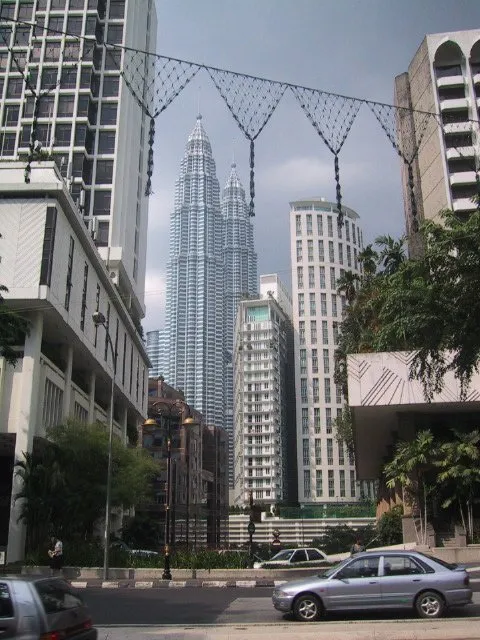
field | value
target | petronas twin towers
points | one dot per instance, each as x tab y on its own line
212	265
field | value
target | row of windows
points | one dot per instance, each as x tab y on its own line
25	9
333	491
341	256
326	366
312	305
327	390
354	236
316	421
313	332
318	452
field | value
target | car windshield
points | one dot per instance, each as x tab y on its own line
331	570
447	565
286	554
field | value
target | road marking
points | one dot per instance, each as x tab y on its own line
143	585
175	584
110	585
79	584
246	583
215	583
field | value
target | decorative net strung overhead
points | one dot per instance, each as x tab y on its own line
332	117
406	129
154	81
251	102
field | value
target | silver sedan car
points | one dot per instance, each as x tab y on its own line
378	580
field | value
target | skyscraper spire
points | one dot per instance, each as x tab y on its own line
240	263
195	274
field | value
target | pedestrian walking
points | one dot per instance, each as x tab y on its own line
357	547
56	556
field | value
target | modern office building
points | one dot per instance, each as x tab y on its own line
195	281
321	250
87	118
57	280
240	264
156	350
263	396
443	78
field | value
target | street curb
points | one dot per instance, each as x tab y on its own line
173	584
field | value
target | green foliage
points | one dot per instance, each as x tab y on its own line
344	428
142	532
339	539
389	527
13	328
64	488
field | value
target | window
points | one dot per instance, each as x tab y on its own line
7	144
113	59
322	277
71	51
328	393
339	229
83	105
303	361
328	419
109	114
102	234
333	279
330	451
299	251
305	420
301	304
11	114
340	252
306	483
85	78
84	296
7	10
22	36
117	9
353	233
309	224
57	596
65	106
326	361
6	607
320	224
316	419
352	483
110	86
311	277
303	390
366	567
323	304
69	283
330	226
336	332
25	11
313	331
315	390
331	484
334	305
318	451
48	246
310	250
347	230
52	52
319	483
400	566
106	142
63	133
101	203
300	277
104	173
341	453
321	251
349	256
324	332
306	452
314	361
74	25
342	483
331	251
301	331
298	225
313	306
14	88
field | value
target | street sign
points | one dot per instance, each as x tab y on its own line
251	528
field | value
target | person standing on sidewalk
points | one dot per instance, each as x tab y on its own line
56	556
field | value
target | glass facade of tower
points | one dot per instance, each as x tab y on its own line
87	119
195	280
240	264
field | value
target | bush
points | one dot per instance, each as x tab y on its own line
389	527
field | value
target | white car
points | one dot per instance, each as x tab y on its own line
294	557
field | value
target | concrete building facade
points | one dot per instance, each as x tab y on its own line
442	78
321	251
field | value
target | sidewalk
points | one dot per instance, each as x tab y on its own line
444	629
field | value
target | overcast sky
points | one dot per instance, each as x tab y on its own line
351	47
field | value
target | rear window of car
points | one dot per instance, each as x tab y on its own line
57	595
6	608
447	565
313	554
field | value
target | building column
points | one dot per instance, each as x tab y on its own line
27	420
123	423
67	393
91	397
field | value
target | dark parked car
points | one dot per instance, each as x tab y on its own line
375	581
33	608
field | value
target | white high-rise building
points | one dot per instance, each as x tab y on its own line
321	250
87	120
263	396
442	78
195	280
156	352
240	263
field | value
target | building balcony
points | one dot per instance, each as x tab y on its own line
464	204
462	177
457	127
451	81
456	103
460	152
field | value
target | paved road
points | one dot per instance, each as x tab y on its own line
199	606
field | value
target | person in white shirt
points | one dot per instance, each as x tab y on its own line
56	555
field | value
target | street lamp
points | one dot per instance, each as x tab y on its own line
171	412
99	319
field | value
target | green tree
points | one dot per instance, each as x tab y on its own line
347	285
76	456
142	532
368	258
411	468
460	473
389	527
392	254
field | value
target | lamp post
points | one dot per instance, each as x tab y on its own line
99	319
171	412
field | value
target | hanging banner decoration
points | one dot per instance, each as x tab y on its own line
251	102
332	116
406	129
154	82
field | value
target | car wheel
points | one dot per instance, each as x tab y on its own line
430	604
307	608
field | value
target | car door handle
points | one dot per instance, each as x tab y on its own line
373	582
417	580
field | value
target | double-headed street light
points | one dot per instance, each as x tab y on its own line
171	414
99	319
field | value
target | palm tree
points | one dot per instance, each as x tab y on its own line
368	258
409	468
346	285
392	253
459	462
